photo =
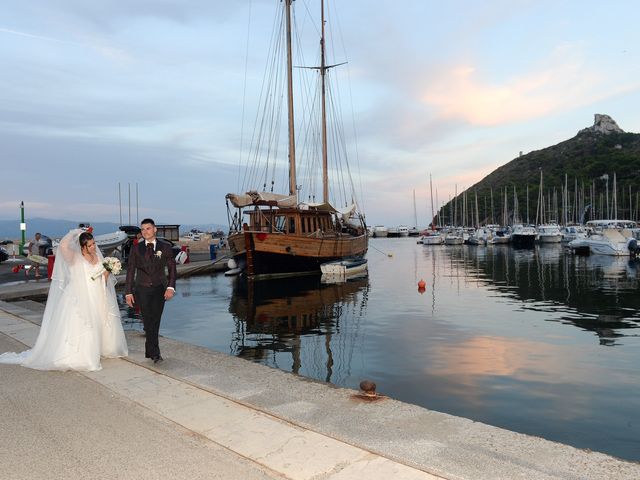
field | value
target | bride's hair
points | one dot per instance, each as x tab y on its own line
84	239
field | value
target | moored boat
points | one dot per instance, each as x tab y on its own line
431	238
499	235
549	233
283	236
572	232
393	232
345	267
523	236
380	231
403	231
454	237
607	237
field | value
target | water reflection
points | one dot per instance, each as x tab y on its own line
535	341
286	317
596	293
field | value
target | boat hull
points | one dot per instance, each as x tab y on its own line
453	240
432	240
523	241
344	267
556	238
265	255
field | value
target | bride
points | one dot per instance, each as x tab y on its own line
81	321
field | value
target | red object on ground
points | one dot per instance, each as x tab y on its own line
51	260
185	248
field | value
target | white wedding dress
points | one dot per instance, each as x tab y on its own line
81	321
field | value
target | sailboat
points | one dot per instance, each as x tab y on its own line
414	231
277	234
431	237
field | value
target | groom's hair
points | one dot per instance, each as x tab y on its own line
148	220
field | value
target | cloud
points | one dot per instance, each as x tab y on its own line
563	82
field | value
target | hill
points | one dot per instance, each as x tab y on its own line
589	160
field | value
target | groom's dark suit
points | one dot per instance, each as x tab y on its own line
149	272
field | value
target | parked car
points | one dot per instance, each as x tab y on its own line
4	255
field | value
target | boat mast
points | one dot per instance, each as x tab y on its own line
433	218
292	146
477	214
415	213
323	71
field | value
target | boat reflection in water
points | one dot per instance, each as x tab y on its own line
294	320
598	293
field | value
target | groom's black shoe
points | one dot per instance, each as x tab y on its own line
157	359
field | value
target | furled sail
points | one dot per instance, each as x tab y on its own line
262	198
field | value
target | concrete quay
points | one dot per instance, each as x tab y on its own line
205	414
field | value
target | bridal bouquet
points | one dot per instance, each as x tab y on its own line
111	265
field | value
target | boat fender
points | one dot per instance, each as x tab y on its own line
633	245
181	258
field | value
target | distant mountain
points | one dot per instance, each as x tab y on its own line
589	160
10	229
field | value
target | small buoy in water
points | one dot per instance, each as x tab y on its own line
422	284
389	254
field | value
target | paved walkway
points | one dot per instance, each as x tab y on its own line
204	414
64	426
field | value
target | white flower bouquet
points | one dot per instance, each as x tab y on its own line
111	265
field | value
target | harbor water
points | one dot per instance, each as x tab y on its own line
535	341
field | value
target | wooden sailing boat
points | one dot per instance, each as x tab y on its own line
282	235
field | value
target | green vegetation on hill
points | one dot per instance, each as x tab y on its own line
586	159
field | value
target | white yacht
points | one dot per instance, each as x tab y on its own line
380	231
431	237
549	233
454	237
403	231
499	235
393	232
607	237
572	232
523	236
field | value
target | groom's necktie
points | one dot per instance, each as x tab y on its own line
149	253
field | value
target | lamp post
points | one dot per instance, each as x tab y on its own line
23	228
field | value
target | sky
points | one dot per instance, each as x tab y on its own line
115	111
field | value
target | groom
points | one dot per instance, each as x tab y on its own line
153	265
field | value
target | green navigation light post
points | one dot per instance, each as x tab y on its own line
23	228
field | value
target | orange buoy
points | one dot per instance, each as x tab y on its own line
422	284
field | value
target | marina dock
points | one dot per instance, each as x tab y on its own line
18	286
230	418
